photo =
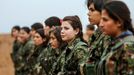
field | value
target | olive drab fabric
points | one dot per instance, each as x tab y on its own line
71	58
33	61
56	67
51	58
97	43
118	59
15	48
21	56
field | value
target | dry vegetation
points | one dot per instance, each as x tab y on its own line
6	64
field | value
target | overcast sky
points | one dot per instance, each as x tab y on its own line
27	12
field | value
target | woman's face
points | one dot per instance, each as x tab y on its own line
94	16
32	32
67	32
23	36
89	32
53	41
47	29
109	26
38	40
15	33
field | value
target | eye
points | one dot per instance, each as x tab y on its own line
104	19
66	28
91	9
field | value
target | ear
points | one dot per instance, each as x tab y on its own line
77	31
119	24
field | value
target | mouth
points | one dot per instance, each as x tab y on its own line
62	36
90	20
102	30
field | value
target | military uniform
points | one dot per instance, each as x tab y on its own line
58	57
15	48
46	60
22	55
97	44
118	58
34	61
72	57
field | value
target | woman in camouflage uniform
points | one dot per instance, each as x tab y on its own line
98	40
57	46
76	50
33	60
118	58
16	44
24	50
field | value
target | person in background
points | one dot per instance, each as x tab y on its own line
15	33
118	57
89	32
57	45
35	27
50	23
24	50
76	49
16	44
34	60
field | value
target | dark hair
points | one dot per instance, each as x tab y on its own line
98	4
56	31
119	11
26	29
42	34
52	21
17	27
36	26
75	23
90	27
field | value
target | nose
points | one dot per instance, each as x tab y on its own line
62	31
34	39
101	23
50	41
88	14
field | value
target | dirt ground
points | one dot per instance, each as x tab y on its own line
6	64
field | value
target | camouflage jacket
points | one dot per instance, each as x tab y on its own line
47	59
15	48
57	56
23	53
118	58
71	58
34	60
97	44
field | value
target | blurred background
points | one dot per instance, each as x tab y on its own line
27	12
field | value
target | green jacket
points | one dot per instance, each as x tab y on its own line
34	60
97	44
21	56
15	48
56	64
72	57
118	58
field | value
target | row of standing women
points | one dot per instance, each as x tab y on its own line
63	51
